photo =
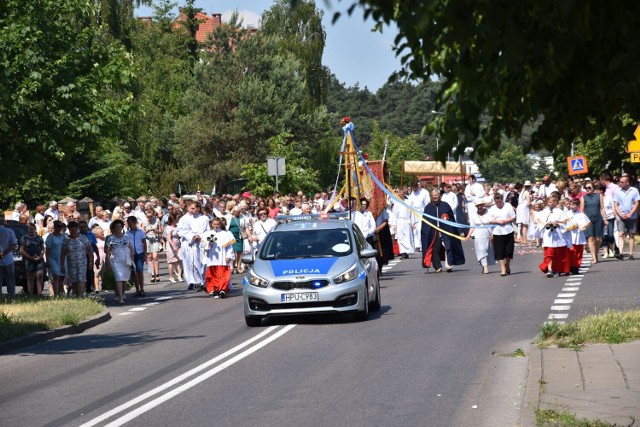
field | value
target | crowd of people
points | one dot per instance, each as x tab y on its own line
204	237
565	218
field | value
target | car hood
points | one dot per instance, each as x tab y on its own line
300	268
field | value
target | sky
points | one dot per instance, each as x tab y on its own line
352	52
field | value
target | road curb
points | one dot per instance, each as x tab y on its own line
38	337
533	388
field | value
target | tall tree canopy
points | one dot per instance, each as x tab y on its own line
573	63
299	30
63	87
246	91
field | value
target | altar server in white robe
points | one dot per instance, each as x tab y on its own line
418	199
405	224
190	229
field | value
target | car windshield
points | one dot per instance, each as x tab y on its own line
314	243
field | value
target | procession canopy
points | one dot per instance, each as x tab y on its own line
359	183
431	168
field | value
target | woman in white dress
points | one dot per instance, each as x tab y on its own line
119	256
481	236
523	211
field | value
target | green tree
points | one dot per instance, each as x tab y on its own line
399	150
298	29
64	87
164	67
246	91
570	64
299	174
509	164
191	25
117	17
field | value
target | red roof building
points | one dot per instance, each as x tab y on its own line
207	23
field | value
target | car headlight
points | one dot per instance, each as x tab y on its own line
347	276
258	281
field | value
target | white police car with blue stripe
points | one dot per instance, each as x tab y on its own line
311	264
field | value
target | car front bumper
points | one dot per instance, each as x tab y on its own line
267	302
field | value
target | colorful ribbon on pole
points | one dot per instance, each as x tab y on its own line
391	194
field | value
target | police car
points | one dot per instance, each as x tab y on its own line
311	264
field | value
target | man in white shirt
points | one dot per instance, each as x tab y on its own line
98	217
15	215
472	192
363	218
547	187
53	210
450	198
405	222
297	210
418	199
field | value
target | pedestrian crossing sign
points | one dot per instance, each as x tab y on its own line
577	165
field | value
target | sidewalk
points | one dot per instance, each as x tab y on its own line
598	382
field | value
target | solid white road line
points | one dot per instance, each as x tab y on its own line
126	313
197	380
138	309
178	379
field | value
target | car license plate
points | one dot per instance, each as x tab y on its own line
299	297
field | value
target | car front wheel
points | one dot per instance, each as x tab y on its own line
253	321
375	305
362	316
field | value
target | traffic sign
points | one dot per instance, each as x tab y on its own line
635	157
577	165
634	146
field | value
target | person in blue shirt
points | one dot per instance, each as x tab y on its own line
8	242
625	204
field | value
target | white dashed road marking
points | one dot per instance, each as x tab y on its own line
565	298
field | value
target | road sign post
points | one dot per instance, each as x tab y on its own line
276	166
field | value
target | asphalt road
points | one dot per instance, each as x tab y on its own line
437	354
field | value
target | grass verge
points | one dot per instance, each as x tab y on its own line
612	327
549	417
23	316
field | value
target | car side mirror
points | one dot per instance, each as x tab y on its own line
368	253
248	259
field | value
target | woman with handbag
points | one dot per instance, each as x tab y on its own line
119	256
239	233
